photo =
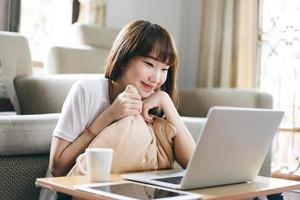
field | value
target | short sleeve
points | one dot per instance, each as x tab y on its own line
73	120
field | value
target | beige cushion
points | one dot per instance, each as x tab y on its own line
137	146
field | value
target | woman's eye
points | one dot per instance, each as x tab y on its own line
165	69
148	64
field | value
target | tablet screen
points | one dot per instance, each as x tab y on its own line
137	191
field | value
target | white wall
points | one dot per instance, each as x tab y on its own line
180	17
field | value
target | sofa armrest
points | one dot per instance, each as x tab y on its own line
45	94
196	102
26	134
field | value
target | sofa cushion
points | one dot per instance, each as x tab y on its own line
45	94
97	36
26	134
76	59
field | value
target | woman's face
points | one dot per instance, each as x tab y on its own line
145	73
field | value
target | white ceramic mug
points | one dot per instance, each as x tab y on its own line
98	164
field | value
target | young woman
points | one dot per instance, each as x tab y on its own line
143	55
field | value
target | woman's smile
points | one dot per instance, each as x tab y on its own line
148	87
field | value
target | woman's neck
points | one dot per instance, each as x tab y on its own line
114	89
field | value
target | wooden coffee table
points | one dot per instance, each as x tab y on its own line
259	187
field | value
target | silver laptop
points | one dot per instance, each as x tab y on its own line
231	149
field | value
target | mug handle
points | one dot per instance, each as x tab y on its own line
78	163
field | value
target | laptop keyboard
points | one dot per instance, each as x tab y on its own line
174	180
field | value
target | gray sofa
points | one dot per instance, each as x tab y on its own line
25	138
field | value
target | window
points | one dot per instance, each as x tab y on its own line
280	56
45	23
280	74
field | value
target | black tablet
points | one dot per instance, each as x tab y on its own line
133	190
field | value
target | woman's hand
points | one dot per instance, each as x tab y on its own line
157	99
127	103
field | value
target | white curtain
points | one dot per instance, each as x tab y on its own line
92	12
228	44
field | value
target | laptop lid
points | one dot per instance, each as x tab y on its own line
232	146
230	149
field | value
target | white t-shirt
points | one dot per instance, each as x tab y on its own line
87	99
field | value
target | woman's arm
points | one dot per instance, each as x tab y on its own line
63	153
184	144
